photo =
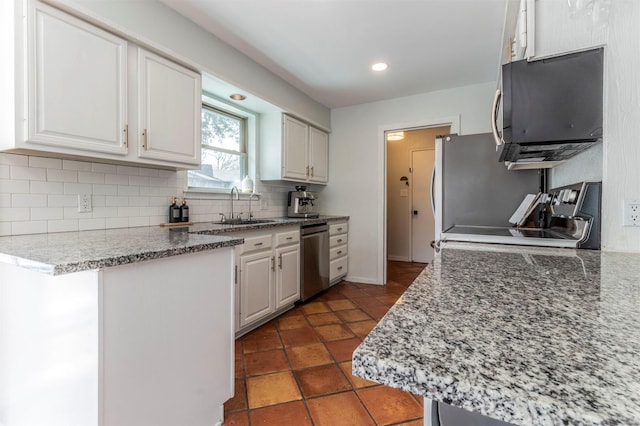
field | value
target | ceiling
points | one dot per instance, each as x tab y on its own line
325	48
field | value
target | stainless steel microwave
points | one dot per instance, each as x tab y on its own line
551	108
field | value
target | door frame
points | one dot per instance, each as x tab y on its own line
452	121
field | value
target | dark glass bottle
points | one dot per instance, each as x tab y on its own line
174	211
184	211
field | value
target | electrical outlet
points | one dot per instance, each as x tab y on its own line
631	209
264	204
84	203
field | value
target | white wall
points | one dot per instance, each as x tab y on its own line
558	30
356	167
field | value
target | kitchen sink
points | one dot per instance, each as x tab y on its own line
244	221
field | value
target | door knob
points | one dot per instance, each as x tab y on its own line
415	212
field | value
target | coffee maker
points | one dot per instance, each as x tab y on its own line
300	203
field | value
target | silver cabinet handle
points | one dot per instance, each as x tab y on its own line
340	240
125	135
289	238
273	263
339	252
339	268
280	261
311	171
257	244
144	139
339	229
307	171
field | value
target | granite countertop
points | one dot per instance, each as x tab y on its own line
67	252
531	336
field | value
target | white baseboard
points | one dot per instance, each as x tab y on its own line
362	280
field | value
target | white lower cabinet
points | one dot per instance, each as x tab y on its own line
267	276
338	253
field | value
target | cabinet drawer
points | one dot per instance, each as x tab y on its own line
338	268
338	228
260	242
337	252
284	238
338	240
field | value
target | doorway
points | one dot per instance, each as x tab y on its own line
409	170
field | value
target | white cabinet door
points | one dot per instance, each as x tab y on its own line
76	83
318	155
256	286
287	275
170	110
294	149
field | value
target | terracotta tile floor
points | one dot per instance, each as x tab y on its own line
296	369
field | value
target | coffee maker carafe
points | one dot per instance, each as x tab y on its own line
301	203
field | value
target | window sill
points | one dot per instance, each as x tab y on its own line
215	194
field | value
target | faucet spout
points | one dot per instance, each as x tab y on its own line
235	188
252	196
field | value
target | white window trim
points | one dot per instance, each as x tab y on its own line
250	146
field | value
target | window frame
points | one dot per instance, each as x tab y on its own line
244	143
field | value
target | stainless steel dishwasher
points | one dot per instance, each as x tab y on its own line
314	255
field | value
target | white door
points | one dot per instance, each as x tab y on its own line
295	144
422	223
287	275
77	83
256	286
170	110
318	155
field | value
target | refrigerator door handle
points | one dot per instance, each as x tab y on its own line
494	119
433	196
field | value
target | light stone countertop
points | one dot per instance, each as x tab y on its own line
67	252
531	336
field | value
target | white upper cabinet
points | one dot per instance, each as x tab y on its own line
170	110
79	91
293	150
318	155
77	83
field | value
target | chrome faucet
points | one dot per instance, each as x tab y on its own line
237	198
250	198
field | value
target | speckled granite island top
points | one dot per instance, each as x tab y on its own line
531	336
66	252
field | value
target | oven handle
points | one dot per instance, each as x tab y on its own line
494	119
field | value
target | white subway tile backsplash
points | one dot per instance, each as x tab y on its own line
148	172
99	189
138	201
105	212
91	177
77	188
27	173
11	214
138	221
4	171
29	227
116	222
46	187
129	171
47	213
45	162
104	168
128	211
66	225
14	159
116	201
28	200
128	190
112	179
93	223
55	175
41	195
62	200
139	180
79	166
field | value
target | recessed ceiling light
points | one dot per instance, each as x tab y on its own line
238	97
380	66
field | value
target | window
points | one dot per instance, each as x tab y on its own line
224	150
